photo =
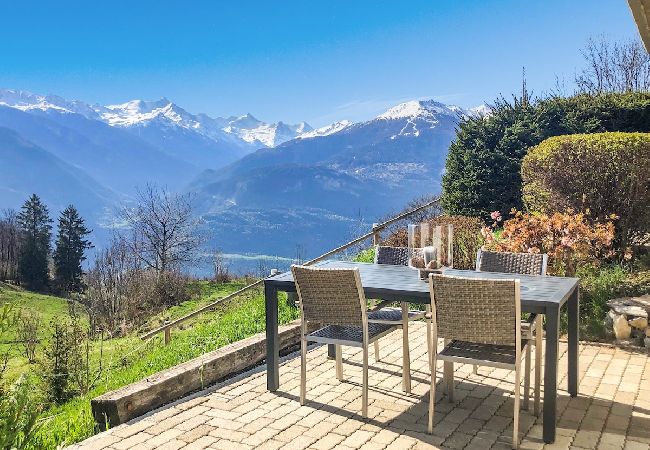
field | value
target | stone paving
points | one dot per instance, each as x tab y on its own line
611	412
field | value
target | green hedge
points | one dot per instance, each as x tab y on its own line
483	167
602	174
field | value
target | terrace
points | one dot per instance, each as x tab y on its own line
611	411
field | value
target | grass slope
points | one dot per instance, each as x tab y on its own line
128	359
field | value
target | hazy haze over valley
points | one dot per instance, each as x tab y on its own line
259	188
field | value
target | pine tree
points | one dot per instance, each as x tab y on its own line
71	243
34	221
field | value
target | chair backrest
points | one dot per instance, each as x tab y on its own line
476	310
330	296
506	262
397	256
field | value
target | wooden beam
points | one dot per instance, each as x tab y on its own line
641	13
119	406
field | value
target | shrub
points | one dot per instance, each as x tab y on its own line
55	364
568	239
483	167
600	174
600	284
467	238
367	256
18	416
29	324
66	367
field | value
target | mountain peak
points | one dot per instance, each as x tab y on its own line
419	108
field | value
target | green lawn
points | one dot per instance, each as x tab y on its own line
129	359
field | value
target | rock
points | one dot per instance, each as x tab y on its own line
622	330
631	306
647	332
646	341
609	322
639	322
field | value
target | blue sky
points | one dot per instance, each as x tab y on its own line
318	61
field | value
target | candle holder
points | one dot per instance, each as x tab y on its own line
430	248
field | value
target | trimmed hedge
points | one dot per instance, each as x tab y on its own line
600	174
483	167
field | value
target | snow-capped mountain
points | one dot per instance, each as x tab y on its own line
256	132
327	130
286	184
245	132
27	101
422	109
481	110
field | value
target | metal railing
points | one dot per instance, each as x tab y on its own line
374	234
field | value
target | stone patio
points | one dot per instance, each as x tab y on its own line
611	412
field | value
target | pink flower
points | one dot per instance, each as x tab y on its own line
495	215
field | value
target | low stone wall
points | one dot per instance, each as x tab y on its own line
133	400
628	319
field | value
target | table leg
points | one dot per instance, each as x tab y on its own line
272	340
550	373
574	318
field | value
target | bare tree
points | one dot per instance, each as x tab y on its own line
614	67
108	286
9	245
221	267
165	231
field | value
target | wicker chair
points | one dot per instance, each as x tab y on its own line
524	264
400	317
335	298
480	322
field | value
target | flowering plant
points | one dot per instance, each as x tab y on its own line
568	239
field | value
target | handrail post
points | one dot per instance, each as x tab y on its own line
376	237
375	234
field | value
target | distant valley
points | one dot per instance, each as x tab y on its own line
259	188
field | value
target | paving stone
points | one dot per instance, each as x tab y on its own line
611	411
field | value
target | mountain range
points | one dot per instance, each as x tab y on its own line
259	187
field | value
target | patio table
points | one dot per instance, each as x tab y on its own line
539	294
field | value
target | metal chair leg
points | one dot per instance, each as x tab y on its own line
527	376
376	344
339	363
515	425
539	332
364	393
303	370
406	356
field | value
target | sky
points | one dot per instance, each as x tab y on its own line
318	61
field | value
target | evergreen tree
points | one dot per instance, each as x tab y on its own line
34	221
483	167
71	243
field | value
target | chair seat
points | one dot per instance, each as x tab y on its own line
349	335
392	316
481	354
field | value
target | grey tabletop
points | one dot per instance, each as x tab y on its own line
392	282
